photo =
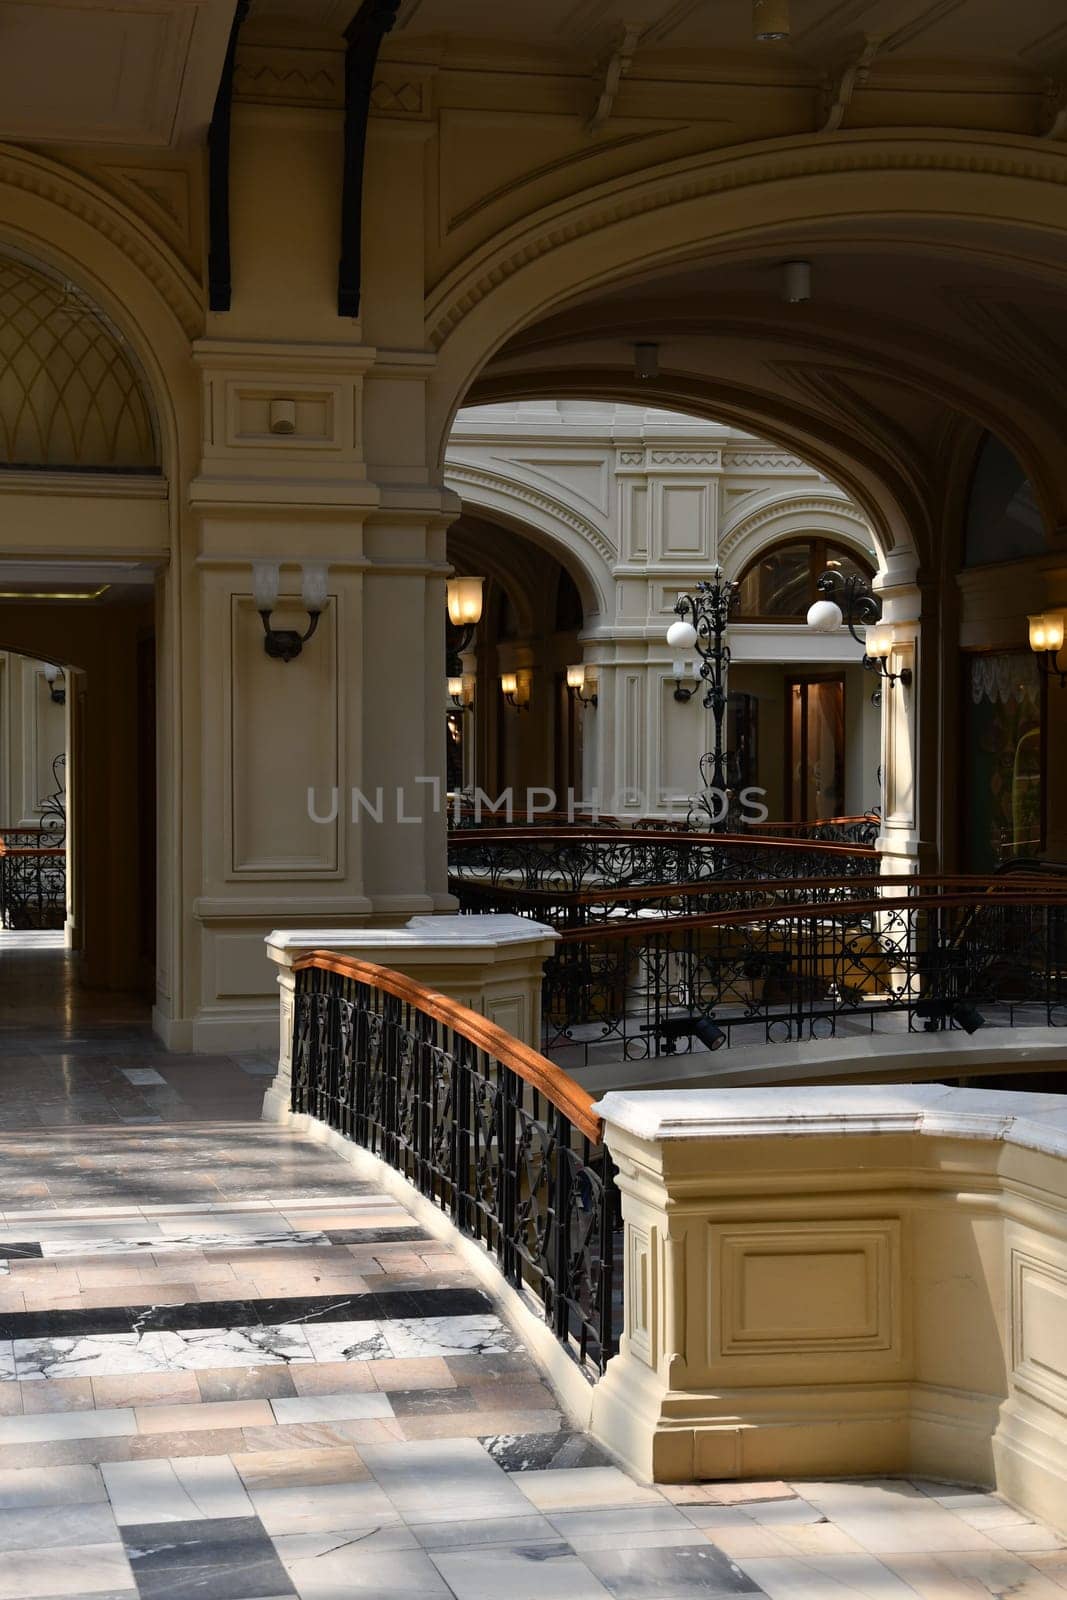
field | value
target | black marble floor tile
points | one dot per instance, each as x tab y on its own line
378	1236
382	1306
227	1558
685	1572
535	1452
20	1250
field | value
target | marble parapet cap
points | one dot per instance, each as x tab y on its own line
1033	1121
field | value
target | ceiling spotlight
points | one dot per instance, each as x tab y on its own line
796	282
646	360
770	20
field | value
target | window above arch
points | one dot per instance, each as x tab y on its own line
71	394
780	584
1003	522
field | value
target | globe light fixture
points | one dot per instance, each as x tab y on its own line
57	690
856	607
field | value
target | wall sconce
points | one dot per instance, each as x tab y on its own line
578	678
285	644
683	692
57	689
461	692
1046	641
515	687
862	608
464	600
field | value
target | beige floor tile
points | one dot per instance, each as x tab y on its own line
1027	1536
277	1469
191	1442
203	1417
477	1424
975	1577
332	1377
413	1372
58	1394
734	1494
10	1399
894	1519
750	1543
147	1389
687	1494
816	1539
843	1577
321	1435
1053	1566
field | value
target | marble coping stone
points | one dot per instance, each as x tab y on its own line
1033	1121
461	936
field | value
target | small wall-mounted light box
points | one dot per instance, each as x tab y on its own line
283	416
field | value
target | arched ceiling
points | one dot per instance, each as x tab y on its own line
872	379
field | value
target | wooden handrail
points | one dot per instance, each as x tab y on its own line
31	849
795	913
1035	884
535	1069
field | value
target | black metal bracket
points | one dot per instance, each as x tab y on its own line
219	270
858	605
363	37
285	644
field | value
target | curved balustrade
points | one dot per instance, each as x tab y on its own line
942	956
501	1139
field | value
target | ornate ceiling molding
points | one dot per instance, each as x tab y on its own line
462	476
784	161
788	514
75	196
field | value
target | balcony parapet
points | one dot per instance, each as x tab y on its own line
838	1281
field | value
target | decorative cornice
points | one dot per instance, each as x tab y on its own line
114	221
458	474
793	506
764	460
779	161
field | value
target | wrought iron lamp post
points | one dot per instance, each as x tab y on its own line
702	626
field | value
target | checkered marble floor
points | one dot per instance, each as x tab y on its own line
230	1371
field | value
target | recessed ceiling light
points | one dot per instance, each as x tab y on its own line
770	20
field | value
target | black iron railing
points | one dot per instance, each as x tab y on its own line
480	1124
923	961
33	880
552	862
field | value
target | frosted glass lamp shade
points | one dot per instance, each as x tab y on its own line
314	585
681	635
825	616
465	601
576	677
265	584
1046	631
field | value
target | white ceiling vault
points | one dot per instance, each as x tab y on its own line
131	72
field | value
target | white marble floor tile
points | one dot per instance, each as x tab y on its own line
799	1578
1025	1536
346	1341
973	1577
40	1527
183	1489
351	1571
97	1569
331	1407
325	1508
196	1348
7	1361
23	1487
890	1519
532	1572
442	1480
50	1425
101	1355
449	1336
584	1489
462	1535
